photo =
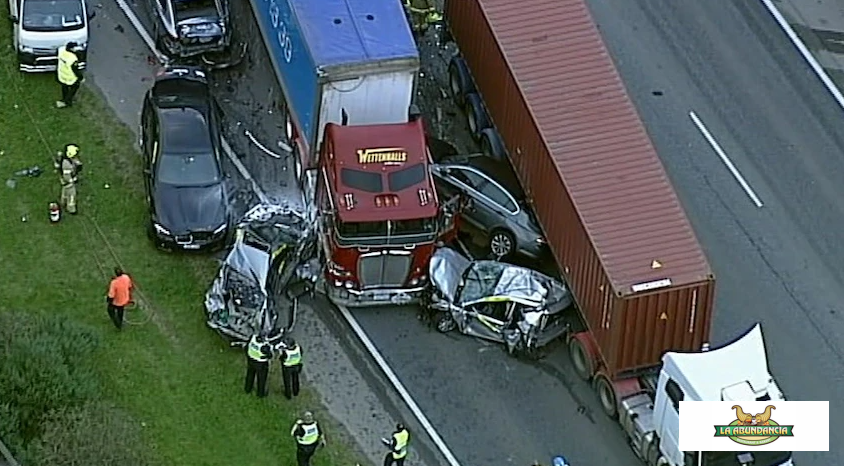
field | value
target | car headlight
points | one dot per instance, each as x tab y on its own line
26	49
349	284
161	230
221	229
184	30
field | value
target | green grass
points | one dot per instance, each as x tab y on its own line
168	370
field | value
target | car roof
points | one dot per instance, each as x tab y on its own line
501	172
185	129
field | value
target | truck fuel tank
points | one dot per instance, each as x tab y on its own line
636	417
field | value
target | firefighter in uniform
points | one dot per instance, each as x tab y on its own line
398	446
308	437
69	74
258	355
421	14
291	366
69	167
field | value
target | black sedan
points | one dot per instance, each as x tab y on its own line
499	215
181	144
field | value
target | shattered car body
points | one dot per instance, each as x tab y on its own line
268	268
194	28
496	301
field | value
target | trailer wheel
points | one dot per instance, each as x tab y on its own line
459	80
492	146
579	355
606	395
476	115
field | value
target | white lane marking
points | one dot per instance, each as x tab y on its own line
136	23
717	148
391	376
139	27
795	39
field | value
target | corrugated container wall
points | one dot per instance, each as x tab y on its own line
611	216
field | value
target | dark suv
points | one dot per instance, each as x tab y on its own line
183	174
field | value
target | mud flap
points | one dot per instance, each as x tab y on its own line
235	56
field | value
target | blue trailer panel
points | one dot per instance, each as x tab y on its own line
309	40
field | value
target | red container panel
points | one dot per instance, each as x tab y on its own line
611	216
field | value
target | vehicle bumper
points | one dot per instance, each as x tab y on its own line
176	49
534	250
189	244
379	297
41	63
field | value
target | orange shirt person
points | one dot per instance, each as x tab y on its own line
119	296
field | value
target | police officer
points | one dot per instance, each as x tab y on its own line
308	436
258	355
398	446
421	14
291	366
69	167
69	74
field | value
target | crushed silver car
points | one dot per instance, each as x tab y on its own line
270	265
496	301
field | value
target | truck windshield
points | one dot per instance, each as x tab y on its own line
52	15
368	182
406	177
387	232
731	458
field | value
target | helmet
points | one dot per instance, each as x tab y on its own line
71	150
289	342
399	426
559	461
308	417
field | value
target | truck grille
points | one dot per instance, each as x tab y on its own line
384	270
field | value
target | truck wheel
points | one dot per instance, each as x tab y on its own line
445	323
501	244
459	80
476	115
492	146
580	359
606	395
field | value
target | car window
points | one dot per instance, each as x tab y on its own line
497	195
675	393
362	180
185	131
57	15
470	179
406	177
185	170
497	311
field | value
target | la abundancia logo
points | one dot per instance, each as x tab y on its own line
754	429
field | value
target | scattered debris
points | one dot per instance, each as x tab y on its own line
11	183
31	172
271	264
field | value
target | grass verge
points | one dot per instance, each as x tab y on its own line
167	369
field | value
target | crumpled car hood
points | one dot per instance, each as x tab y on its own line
272	251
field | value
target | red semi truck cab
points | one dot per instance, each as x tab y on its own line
380	217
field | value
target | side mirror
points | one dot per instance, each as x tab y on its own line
147	171
13	19
91	14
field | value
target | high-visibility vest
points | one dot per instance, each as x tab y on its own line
292	356
310	436
401	438
65	67
254	350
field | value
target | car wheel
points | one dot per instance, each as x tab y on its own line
501	244
446	323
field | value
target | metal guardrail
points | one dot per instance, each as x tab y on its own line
7	455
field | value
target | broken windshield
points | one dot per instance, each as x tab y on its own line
53	15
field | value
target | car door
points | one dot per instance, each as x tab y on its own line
468	182
496	206
151	154
487	319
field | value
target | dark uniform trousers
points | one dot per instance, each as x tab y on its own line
389	460
69	92
290	377
304	453
257	369
116	314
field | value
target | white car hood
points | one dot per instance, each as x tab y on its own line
51	39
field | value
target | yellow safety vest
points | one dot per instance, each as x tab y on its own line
401	438
292	356
65	67
311	433
254	350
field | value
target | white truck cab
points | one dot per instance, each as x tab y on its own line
735	372
42	26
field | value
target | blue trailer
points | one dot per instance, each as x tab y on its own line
338	61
